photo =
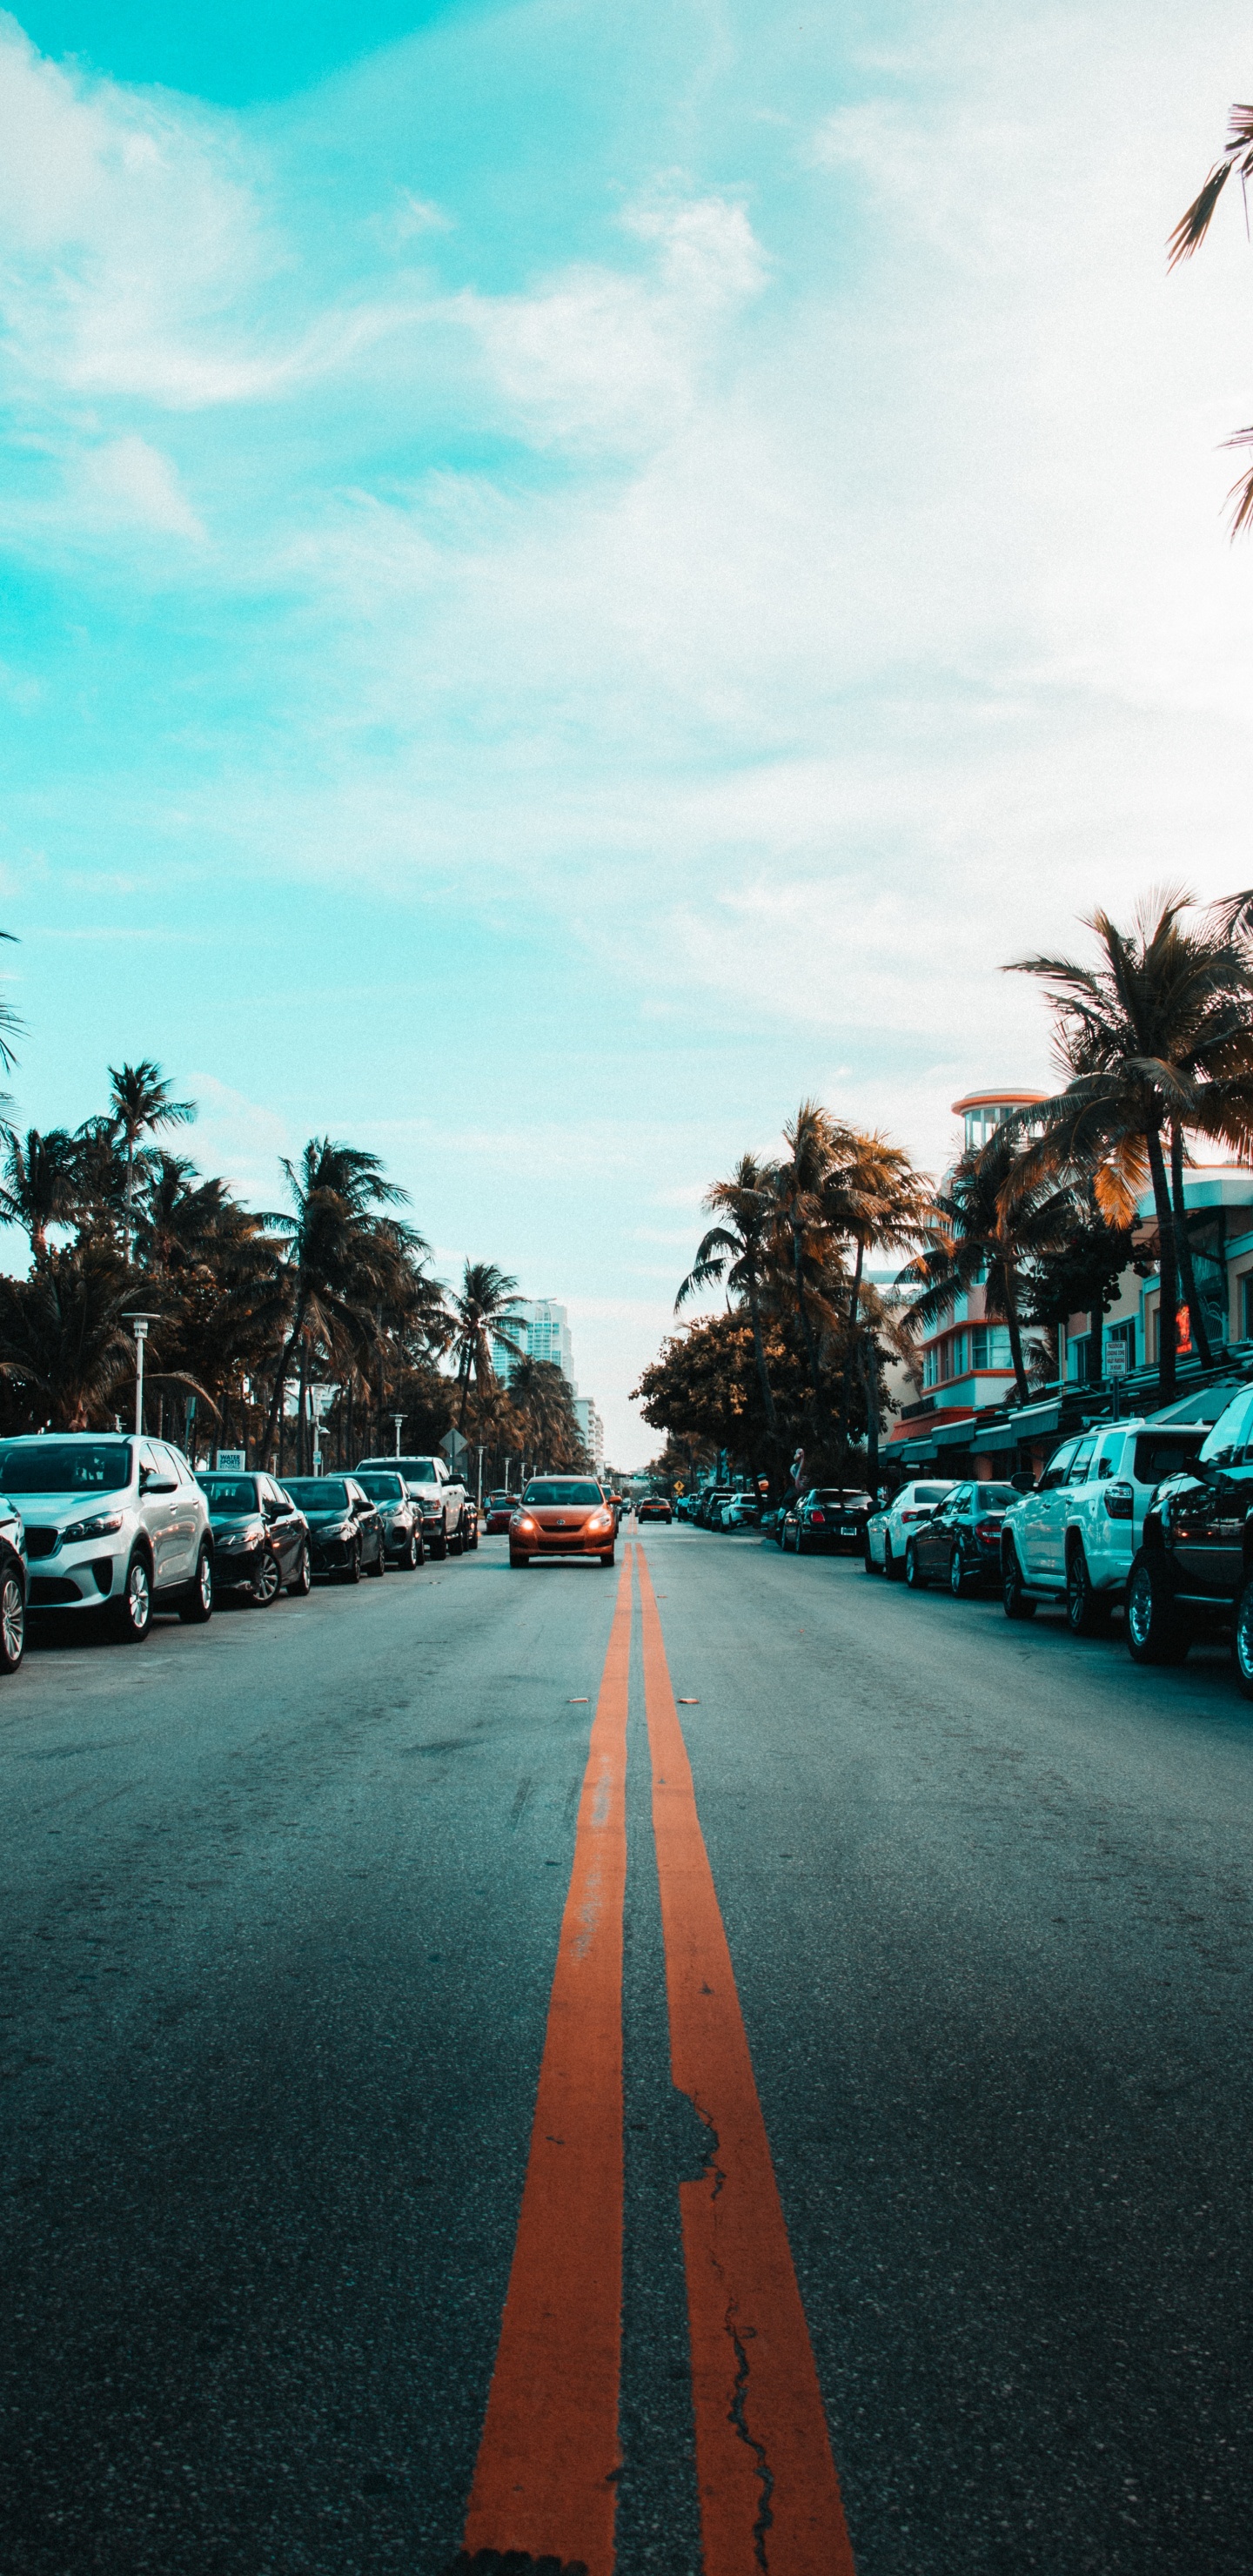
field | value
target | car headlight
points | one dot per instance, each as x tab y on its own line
97	1528
601	1521
523	1523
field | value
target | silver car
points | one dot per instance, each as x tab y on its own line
115	1525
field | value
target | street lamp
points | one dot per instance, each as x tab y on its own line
398	1419
139	1325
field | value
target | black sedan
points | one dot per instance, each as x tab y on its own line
827	1520
655	1507
345	1527
961	1543
260	1538
401	1516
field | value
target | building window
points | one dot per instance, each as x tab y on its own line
990	1346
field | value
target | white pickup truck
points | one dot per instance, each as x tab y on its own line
449	1521
1072	1538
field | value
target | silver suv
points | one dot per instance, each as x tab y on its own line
444	1502
114	1524
1072	1538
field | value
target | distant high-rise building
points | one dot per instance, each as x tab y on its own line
592	1429
541	1330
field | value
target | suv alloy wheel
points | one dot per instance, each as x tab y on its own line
197	1609
1155	1632
130	1617
12	1622
1013	1597
1087	1611
1242	1637
956	1572
266	1582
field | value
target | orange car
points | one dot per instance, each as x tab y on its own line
561	1516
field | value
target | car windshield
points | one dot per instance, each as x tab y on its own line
230	1494
318	1493
931	1493
847	1500
383	1489
995	1498
563	1494
500	1502
64	1466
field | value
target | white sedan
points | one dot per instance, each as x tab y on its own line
887	1533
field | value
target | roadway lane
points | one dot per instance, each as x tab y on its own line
281	1910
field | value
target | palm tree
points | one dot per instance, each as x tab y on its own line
481	1312
1154	1036
63	1337
38	1187
139	1104
870	1194
1187	237
541	1396
983	1230
737	1249
798	1228
334	1265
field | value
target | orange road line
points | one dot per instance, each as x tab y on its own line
545	2479
769	2495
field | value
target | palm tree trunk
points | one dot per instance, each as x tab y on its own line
280	1380
807	1330
1183	1243
846	1384
302	1460
868	1365
763	1373
1168	1294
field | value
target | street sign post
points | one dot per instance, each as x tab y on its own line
1116	1370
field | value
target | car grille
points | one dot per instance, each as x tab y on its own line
42	1542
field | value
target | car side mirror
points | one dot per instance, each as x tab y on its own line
149	1484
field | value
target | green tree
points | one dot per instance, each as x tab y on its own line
482	1312
738	1249
139	1103
985	1229
1187	237
38	1187
334	1261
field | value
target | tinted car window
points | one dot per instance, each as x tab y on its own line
1159	1456
381	1489
540	1494
319	1493
230	1494
1081	1463
65	1467
1056	1471
930	1493
995	1498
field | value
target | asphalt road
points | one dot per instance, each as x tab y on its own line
281	1906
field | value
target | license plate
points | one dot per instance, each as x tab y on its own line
848	1529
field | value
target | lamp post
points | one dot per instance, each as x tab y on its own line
139	1326
398	1419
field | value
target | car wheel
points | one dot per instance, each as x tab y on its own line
868	1563
439	1548
891	1570
518	1560
12	1622
456	1543
380	1563
607	1557
914	1575
956	1574
1155	1632
1087	1611
1241	1637
302	1580
351	1573
410	1557
267	1582
130	1616
1014	1598
198	1608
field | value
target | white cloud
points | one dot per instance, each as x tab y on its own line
127	477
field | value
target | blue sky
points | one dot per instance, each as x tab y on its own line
573	576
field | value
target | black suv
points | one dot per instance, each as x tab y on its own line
1195	1567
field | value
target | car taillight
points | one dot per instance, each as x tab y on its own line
987	1531
916	1516
817	1520
1120	1502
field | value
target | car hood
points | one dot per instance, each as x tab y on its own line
562	1515
41	1511
234	1524
326	1520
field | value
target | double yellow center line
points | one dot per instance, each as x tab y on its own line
546	2477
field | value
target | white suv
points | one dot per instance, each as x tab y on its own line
1073	1537
887	1533
444	1502
114	1524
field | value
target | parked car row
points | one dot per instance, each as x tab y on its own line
115	1528
1153	1517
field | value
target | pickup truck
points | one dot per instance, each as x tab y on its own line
449	1520
1072	1540
1194	1567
